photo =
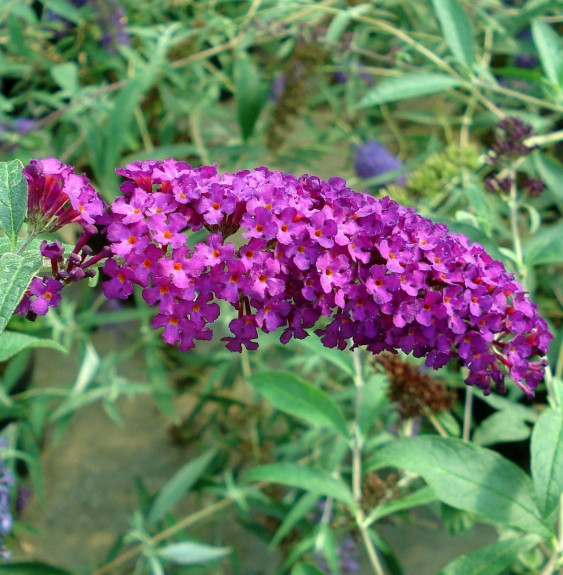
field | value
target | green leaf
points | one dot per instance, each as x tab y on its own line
547	460
251	94
66	76
64	8
341	360
179	485
468	477
306	569
490	559
500	427
551	172
420	497
13	198
31	568
546	247
456	30
12	342
16	273
550	50
291	395
303	477
293	516
190	553
412	85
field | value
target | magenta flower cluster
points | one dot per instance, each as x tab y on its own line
298	253
57	197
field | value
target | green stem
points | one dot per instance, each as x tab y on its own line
357	468
467	413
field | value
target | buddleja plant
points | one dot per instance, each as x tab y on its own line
310	255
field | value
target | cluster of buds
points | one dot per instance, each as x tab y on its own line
510	145
57	197
416	393
306	251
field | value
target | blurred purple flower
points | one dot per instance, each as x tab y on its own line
6	481
374	159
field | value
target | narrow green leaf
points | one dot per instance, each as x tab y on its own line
64	8
306	569
468	477
547	460
490	559
550	50
500	427
66	76
303	477
546	247
13	198
341	360
191	553
412	85
551	172
456	30
293	516
179	485
12	342
420	497
251	94
291	395
31	568
16	273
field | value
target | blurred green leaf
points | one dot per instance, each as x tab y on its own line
12	342
414	85
306	569
13	199
550	50
16	273
66	76
64	8
491	559
251	93
291	395
547	460
31	568
421	497
179	486
293	516
468	477
501	427
191	553
551	172
456	30
546	247
315	346
303	477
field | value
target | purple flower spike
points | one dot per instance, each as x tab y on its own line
374	159
379	274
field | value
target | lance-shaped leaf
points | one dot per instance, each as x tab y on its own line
295	397
456	30
412	85
179	485
16	273
251	94
12	342
13	199
468	477
191	553
547	460
303	477
490	559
